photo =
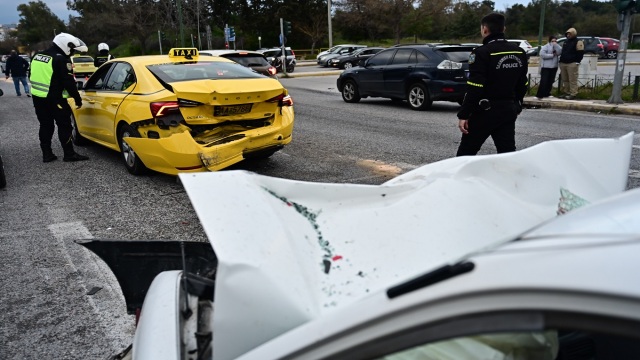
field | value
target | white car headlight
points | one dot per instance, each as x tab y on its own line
449	65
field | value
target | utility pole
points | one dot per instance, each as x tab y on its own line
541	26
329	18
626	9
283	63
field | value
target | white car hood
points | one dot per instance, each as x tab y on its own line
291	251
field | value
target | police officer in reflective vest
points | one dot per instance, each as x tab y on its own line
52	83
495	89
103	55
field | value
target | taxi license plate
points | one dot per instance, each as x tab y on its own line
226	110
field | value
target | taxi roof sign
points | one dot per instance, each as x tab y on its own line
187	53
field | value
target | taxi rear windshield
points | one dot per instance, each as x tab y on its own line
82	60
188	71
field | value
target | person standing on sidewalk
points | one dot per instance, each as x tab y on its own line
17	68
570	58
52	81
549	55
495	89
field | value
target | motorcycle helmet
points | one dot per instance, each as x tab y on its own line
69	43
103	46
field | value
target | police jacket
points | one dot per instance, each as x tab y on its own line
16	66
102	57
497	72
570	52
52	75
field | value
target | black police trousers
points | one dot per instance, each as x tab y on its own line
50	113
499	122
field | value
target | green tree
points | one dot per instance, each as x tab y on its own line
37	23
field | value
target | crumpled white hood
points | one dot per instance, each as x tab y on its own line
290	251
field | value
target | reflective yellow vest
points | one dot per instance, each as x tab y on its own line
41	74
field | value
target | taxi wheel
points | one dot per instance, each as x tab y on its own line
76	138
418	97
350	92
131	161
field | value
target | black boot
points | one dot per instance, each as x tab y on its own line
74	157
47	154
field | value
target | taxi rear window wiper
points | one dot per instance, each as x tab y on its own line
430	278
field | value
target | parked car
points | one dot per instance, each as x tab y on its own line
274	56
611	47
592	45
514	281
323	59
183	112
83	65
524	44
348	61
419	74
251	59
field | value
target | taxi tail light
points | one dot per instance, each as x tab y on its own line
282	100
271	70
159	109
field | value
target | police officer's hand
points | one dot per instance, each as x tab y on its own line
78	104
463	125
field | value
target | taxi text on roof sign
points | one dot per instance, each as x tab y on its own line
183	52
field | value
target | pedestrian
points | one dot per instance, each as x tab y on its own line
52	82
549	55
17	67
103	55
570	58
495	89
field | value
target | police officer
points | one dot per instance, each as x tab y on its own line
495	89
52	83
103	55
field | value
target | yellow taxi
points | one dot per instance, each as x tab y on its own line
182	112
83	65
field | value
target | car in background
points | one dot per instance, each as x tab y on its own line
183	112
592	45
251	59
355	58
83	65
323	59
611	47
419	74
525	45
274	56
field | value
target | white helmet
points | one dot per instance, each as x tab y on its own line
103	46
69	43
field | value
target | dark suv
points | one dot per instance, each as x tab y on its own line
592	45
420	74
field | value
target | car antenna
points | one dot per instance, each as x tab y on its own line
186	313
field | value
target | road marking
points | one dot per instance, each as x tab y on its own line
108	304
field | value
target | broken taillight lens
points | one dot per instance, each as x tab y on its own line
159	109
271	70
282	100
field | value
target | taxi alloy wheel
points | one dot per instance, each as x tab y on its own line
418	97
348	65
76	138
350	92
131	161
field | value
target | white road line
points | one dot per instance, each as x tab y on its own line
108	304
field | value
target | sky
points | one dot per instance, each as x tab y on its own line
9	13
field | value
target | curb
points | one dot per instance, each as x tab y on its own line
583	105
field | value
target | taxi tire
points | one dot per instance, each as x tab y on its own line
418	97
76	138
131	161
350	92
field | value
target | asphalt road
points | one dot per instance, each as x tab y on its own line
46	310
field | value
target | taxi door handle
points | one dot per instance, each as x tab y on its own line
115	103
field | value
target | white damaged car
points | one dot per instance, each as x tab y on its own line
526	255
